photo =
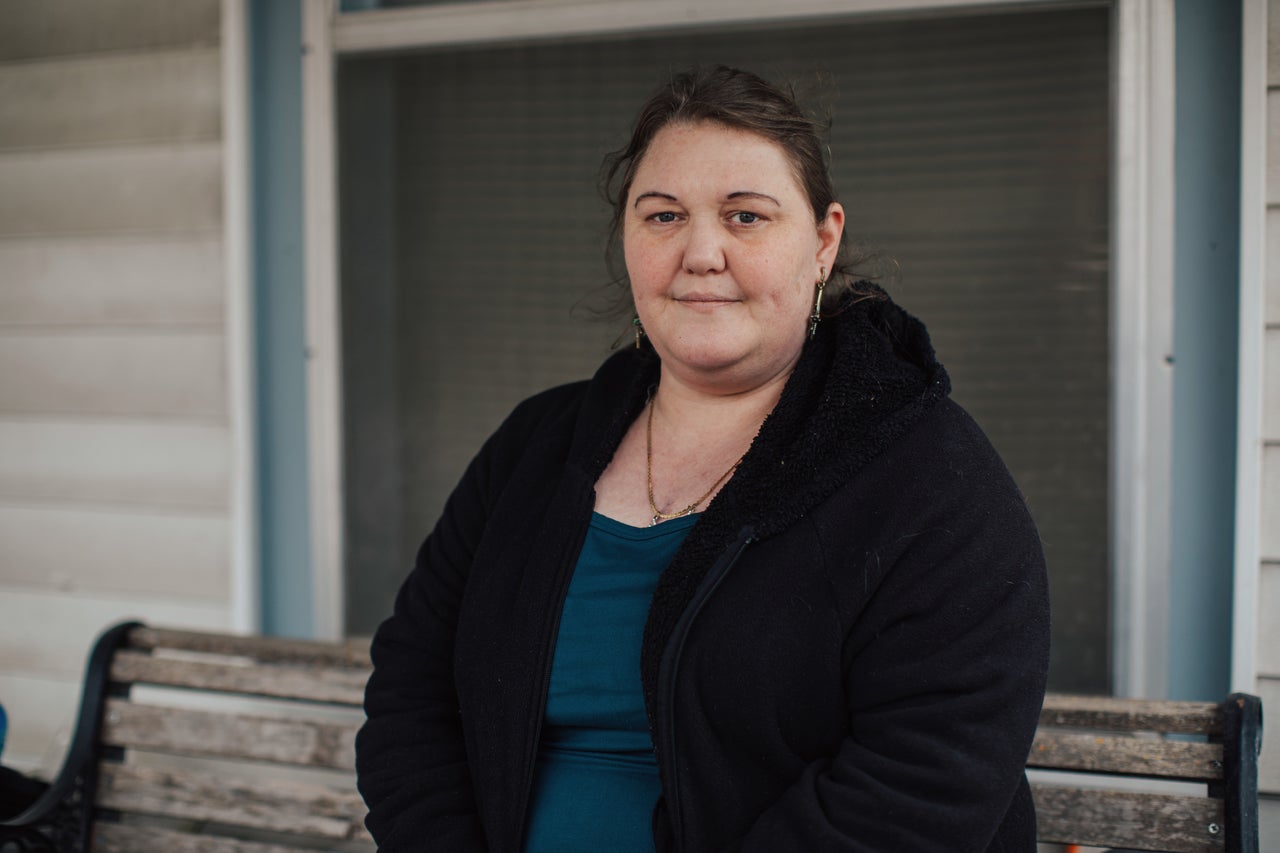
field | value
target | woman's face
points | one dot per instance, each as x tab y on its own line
723	254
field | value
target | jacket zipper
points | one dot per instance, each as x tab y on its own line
531	748
670	666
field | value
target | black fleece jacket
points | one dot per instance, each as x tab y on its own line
847	653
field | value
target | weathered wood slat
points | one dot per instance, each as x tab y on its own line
354	653
125	838
1099	818
275	805
1130	756
1130	715
312	683
219	734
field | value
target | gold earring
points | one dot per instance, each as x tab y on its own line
635	321
817	302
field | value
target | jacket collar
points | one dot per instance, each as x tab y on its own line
864	380
867	378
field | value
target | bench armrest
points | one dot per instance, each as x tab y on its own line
59	820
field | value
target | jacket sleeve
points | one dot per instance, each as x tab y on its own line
411	759
944	679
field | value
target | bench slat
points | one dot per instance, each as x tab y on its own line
1128	756
1130	715
123	838
1099	818
313	683
222	735
353	653
277	805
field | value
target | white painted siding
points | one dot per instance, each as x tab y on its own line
1269	579
99	281
174	96
114	462
116	449
124	373
1273	274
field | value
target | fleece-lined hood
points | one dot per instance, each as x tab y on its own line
863	381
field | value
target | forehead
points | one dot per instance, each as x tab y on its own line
708	154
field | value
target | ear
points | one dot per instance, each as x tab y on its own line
829	231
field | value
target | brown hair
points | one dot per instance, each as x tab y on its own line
743	101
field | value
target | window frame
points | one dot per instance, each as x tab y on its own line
1140	278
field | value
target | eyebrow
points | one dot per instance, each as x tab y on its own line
731	196
753	194
653	194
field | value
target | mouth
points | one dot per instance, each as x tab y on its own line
707	300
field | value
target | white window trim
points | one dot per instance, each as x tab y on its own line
525	20
1141	278
1251	390
323	311
1142	336
245	604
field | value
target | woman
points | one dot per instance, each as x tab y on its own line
759	585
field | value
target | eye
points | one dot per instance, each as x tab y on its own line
745	217
665	216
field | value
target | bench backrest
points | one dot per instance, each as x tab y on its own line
243	737
248	743
1148	775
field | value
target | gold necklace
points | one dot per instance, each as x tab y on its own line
658	515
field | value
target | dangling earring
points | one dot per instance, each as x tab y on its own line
817	303
635	321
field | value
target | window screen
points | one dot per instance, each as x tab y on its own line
972	151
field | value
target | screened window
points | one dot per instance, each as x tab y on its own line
973	151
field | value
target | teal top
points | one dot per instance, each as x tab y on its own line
596	780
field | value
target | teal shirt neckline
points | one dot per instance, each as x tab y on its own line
596	780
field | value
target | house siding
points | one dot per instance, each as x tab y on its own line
115	413
1268	640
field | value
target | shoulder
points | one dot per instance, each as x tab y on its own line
948	449
940	489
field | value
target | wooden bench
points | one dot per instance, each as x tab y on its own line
223	744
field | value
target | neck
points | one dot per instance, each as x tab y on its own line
690	410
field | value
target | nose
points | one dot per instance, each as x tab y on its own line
704	247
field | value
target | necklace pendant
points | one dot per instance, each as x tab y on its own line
655	521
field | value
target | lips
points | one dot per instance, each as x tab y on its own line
706	299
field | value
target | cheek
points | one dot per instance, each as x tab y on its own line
645	263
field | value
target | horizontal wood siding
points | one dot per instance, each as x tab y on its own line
111	281
165	96
1270	533
97	461
1269	623
1273	268
151	189
115	447
29	648
1268	641
79	551
1273	133
1271	382
132	374
68	27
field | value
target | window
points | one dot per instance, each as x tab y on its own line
974	151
